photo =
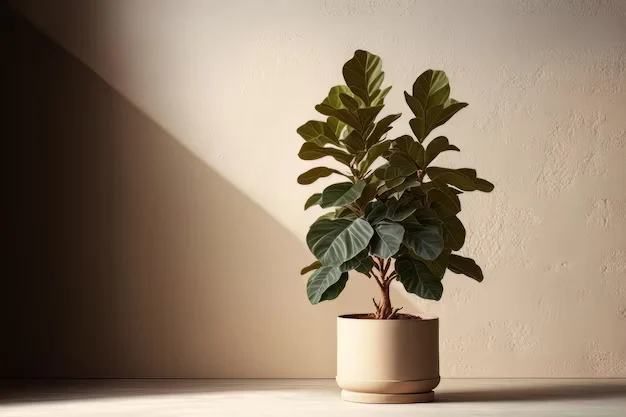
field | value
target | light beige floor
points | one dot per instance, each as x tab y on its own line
302	398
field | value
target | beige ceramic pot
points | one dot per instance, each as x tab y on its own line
387	361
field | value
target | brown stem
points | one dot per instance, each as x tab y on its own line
384	305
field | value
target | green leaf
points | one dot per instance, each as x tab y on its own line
425	240
351	264
344	115
369	192
374	153
368	115
400	165
466	266
342	194
314	265
310	151
313	200
376	213
334	290
320	281
453	233
435	147
366	267
383	126
446	197
483	185
319	133
426	216
354	142
431	88
387	239
460	178
336	125
315	174
380	98
333	242
439	265
333	98
431	103
363	75
418	279
349	102
411	147
399	210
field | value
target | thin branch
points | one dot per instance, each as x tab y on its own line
393	313
376	304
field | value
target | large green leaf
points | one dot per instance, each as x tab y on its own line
354	142
367	116
334	290
426	216
333	242
314	265
453	233
387	239
412	147
344	115
447	198
310	151
315	174
380	98
374	153
320	133
313	200
333	98
483	185
320	281
336	125
365	267
383	126
435	147
369	192
417	278
425	240
375	212
351	264
438	266
363	75
342	194
398	210
431	103
466	266
460	178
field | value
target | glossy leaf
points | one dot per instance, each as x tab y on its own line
363	75
387	239
313	200
366	267
431	103
418	279
344	115
342	194
334	290
377	212
380	98
425	240
435	147
457	177
438	266
319	133
398	210
351	264
446	197
383	126
466	266
374	153
483	185
453	233
315	174
349	102
320	281
313	266
333	98
333	242
310	151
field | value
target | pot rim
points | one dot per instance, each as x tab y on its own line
424	317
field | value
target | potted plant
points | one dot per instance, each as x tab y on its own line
395	221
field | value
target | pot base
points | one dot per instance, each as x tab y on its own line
366	397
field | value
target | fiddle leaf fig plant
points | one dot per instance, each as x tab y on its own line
391	221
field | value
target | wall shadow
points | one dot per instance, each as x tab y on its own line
131	257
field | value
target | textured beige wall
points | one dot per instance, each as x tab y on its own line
546	83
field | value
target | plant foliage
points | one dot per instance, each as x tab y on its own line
403	209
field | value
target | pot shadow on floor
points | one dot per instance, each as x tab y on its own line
582	391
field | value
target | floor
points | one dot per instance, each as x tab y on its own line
302	398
